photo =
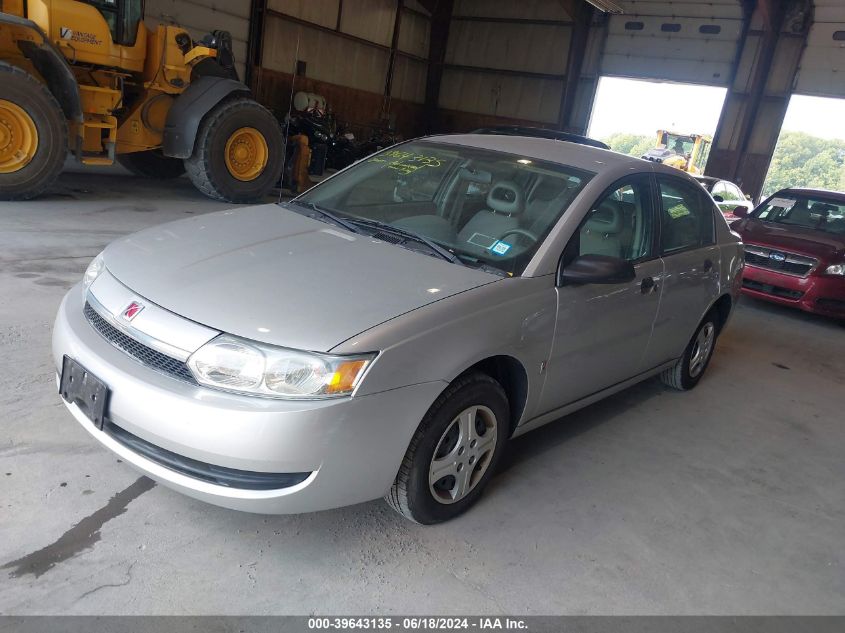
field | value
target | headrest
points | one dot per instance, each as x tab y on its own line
823	209
607	218
505	197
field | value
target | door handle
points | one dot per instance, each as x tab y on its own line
708	265
648	285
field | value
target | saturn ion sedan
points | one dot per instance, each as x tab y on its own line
386	333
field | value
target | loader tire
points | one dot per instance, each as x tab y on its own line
152	164
33	135
239	152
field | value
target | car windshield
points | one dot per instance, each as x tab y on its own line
475	207
810	212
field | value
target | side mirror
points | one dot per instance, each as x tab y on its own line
718	198
740	212
596	269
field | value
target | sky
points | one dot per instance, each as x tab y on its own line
643	107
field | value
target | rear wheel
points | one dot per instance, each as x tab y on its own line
689	369
454	452
239	152
152	164
33	135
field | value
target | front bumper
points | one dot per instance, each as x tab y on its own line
350	449
819	294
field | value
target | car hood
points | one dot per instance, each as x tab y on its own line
272	275
792	238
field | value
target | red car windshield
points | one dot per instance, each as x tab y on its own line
809	212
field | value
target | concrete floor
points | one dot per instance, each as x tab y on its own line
729	499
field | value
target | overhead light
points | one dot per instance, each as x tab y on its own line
524	161
607	6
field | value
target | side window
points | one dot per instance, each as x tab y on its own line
720	190
620	223
686	216
738	196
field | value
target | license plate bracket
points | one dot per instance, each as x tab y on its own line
82	388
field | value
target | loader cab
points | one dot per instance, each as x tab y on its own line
107	33
122	17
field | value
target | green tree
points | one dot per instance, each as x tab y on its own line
631	144
802	160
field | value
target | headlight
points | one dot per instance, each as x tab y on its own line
233	364
92	272
835	269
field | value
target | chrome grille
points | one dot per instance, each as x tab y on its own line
137	350
790	264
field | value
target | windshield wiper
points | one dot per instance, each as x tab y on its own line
346	224
422	239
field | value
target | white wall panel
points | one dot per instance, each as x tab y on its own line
203	16
501	95
328	57
409	80
322	12
520	9
822	68
369	19
535	48
414	34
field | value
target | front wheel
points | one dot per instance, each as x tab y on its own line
454	452
689	369
239	152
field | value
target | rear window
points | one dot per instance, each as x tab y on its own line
809	212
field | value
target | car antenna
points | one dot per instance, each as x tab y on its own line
287	119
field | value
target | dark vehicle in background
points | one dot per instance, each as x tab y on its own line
540	132
727	195
795	250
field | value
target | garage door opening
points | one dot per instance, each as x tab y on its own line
811	147
628	112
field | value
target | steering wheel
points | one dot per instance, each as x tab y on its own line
522	232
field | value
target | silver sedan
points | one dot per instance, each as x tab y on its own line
387	332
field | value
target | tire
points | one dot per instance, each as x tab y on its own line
208	169
152	164
689	369
442	435
23	93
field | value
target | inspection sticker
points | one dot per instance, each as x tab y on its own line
500	247
783	203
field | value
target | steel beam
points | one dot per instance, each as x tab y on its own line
581	14
441	17
754	109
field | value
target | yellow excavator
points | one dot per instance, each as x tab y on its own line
87	76
687	152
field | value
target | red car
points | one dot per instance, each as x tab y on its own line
795	250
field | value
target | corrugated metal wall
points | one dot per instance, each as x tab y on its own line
506	69
348	61
678	40
822	68
203	16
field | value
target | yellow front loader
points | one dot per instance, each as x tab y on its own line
87	76
687	152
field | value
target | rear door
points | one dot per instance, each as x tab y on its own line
603	330
691	263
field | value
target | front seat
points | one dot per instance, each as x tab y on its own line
505	201
601	233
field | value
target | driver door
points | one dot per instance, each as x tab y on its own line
603	330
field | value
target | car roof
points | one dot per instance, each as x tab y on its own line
839	196
707	178
541	132
585	157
